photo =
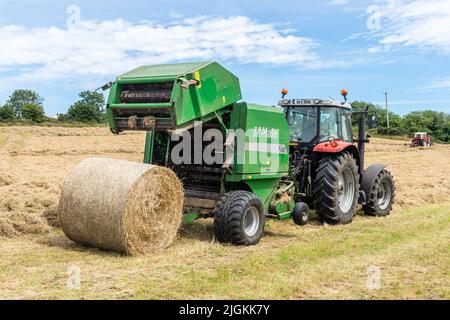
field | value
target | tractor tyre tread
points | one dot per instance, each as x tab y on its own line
228	218
325	197
371	207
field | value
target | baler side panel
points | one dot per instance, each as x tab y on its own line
265	152
264	189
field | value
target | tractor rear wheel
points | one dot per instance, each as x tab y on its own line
239	219
336	189
382	195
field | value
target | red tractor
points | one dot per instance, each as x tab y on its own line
327	162
421	139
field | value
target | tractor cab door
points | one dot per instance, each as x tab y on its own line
346	125
335	123
302	124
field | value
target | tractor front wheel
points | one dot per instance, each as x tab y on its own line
239	219
336	189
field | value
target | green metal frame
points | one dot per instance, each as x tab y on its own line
148	151
159	138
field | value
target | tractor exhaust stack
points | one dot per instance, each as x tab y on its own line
362	138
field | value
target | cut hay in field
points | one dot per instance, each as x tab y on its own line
6	179
52	216
18	223
121	206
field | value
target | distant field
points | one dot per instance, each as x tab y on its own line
410	247
52	124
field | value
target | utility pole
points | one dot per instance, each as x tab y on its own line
387	110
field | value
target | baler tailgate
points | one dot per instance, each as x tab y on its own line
169	97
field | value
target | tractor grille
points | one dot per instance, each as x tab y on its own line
147	93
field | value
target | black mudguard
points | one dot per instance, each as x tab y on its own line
368	179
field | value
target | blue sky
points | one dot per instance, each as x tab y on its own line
314	48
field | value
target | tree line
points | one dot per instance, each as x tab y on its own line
434	122
27	106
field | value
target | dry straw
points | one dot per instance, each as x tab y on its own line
121	206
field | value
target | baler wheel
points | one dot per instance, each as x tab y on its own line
336	189
239	219
382	196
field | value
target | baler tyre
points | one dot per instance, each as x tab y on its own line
239	219
336	189
300	214
382	196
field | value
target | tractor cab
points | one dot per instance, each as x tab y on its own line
315	121
421	136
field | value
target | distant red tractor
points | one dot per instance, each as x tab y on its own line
421	139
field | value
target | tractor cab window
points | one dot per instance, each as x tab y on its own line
330	122
302	123
420	135
346	122
314	124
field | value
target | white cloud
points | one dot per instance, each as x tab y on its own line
108	48
423	24
175	15
440	84
339	2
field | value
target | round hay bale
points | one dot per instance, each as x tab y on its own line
121	206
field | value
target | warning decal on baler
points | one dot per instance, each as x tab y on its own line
197	77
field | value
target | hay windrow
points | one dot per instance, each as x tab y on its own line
6	179
121	206
18	223
51	215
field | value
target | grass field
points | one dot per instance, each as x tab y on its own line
411	247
